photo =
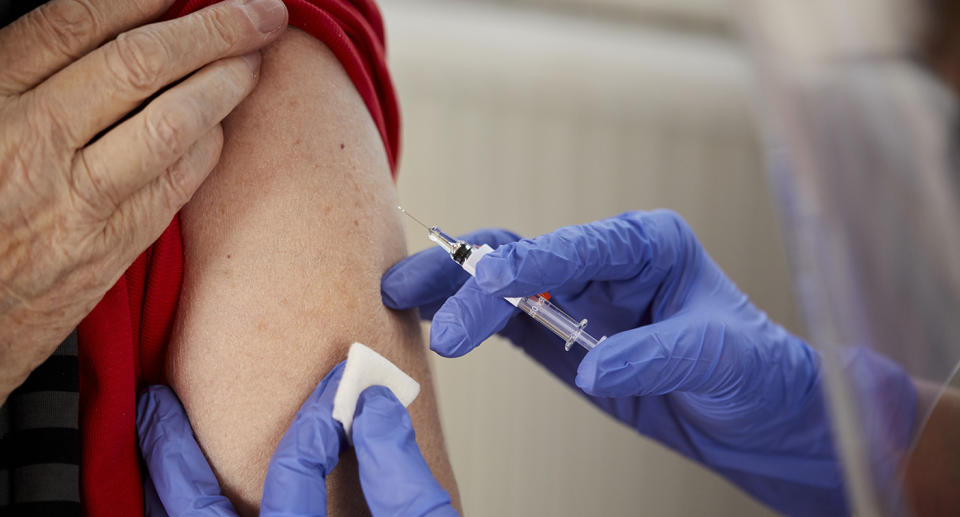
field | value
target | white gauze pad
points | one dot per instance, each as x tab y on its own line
367	368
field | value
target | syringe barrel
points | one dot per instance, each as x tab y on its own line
552	317
540	309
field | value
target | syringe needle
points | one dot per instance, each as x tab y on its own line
435	234
400	208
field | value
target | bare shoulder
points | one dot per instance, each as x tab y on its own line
284	247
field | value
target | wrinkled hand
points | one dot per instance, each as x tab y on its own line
689	360
393	474
77	204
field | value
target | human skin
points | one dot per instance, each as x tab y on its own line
84	189
284	247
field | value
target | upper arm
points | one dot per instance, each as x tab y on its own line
284	247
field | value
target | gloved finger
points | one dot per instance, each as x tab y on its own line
677	354
152	505
395	478
308	451
646	246
423	280
467	319
181	476
427	278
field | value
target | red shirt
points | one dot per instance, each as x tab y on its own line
122	343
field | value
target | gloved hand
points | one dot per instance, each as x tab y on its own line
393	474
689	360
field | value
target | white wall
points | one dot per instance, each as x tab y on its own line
702	13
532	121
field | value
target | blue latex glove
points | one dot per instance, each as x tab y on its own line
689	360
393	474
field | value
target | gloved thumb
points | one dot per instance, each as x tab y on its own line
308	451
676	354
393	474
182	478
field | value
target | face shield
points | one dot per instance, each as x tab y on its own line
863	141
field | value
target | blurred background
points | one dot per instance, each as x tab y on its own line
534	114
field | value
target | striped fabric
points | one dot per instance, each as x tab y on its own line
40	440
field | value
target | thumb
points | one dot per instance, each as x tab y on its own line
183	480
676	354
393	474
307	452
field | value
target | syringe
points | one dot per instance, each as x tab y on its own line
537	306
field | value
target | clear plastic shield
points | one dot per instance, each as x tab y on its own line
863	143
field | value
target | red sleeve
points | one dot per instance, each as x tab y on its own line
122	343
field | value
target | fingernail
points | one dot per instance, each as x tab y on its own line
266	15
253	61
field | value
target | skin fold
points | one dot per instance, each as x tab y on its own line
284	247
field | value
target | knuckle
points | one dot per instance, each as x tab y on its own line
218	23
178	185
241	77
137	59
166	130
40	122
115	233
70	23
673	219
672	223
34	122
33	140
120	236
90	190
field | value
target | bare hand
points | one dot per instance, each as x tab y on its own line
77	206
